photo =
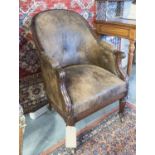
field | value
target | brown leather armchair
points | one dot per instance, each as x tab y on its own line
81	73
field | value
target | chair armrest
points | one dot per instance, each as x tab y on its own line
111	59
119	55
54	78
62	74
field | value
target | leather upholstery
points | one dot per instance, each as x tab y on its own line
64	40
51	82
89	85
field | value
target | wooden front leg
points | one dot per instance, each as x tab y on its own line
20	140
130	56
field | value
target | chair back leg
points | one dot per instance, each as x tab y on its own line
122	103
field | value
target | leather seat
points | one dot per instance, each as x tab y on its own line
88	85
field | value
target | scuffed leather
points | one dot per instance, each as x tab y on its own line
67	40
108	57
89	85
51	82
64	40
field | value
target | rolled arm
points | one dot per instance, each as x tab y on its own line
118	62
67	101
54	78
111	59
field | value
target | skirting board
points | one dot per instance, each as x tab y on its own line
39	112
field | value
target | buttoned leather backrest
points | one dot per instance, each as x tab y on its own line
65	37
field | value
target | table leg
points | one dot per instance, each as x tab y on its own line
20	140
130	56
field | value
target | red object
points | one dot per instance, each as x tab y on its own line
28	60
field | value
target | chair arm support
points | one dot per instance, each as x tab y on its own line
118	59
56	76
66	97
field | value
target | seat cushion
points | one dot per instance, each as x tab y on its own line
89	85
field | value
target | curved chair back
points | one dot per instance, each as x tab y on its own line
64	36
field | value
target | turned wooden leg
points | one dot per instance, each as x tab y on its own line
20	140
122	103
130	56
